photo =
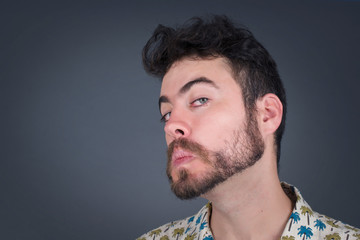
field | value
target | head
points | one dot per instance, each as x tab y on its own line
247	63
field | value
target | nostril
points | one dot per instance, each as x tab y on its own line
179	131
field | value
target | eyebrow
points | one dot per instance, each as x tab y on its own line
187	87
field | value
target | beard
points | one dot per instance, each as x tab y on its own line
244	150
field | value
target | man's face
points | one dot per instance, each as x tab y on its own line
210	136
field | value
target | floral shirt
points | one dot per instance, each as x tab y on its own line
304	223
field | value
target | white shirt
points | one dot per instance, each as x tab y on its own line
304	223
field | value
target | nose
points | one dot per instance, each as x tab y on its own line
176	127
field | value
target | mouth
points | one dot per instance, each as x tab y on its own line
181	156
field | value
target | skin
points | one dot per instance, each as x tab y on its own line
209	114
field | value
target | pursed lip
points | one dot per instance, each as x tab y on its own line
181	156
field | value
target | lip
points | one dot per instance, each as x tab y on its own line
181	156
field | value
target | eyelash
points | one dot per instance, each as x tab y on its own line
163	117
202	98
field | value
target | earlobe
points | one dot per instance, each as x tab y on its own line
270	111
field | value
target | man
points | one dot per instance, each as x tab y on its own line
223	105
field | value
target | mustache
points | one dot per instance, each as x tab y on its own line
188	145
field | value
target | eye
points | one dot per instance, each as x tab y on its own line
199	102
165	117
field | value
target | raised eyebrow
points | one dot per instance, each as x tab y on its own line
163	99
190	84
186	88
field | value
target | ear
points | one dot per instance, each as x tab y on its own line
270	111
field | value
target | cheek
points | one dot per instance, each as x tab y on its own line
167	139
218	128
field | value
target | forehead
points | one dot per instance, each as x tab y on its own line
188	69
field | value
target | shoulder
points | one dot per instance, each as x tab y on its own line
335	229
171	230
304	222
189	228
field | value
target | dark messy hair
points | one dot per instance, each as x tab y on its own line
252	66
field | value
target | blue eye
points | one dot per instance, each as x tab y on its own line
199	102
165	117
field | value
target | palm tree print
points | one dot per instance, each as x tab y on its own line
306	211
294	218
190	237
172	224
208	238
198	220
306	231
191	219
155	233
141	238
357	235
351	228
178	232
164	238
319	225
332	224
209	206
203	225
287	238
334	236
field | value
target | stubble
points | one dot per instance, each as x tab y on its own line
243	150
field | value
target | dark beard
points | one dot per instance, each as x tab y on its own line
245	150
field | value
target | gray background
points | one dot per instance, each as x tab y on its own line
82	148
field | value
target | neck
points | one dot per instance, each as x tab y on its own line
249	201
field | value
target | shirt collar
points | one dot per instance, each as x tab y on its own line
199	223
